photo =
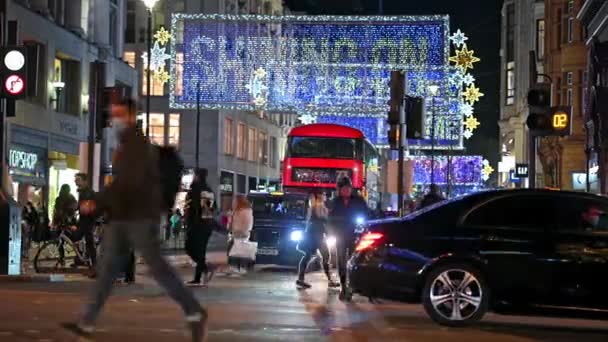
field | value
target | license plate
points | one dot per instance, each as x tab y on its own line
268	251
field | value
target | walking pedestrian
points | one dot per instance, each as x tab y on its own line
200	217
176	223
433	196
66	205
347	210
315	240
133	202
240	228
87	208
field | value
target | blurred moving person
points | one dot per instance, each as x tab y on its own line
240	226
87	208
133	202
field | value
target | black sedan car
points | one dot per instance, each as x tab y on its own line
462	257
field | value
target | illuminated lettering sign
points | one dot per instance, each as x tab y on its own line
300	63
23	160
560	120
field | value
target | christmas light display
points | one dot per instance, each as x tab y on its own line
464	58
486	170
317	64
465	170
162	36
458	38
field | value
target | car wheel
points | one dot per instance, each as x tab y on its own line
455	295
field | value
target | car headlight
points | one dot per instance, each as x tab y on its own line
296	235
331	241
360	220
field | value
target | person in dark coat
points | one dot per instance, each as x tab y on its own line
433	196
347	211
200	218
87	208
65	208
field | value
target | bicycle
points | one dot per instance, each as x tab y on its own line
62	254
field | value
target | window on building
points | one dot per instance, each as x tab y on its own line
510	99
263	148
129	58
228	136
558	35
57	11
569	80
173	130
241	140
66	86
252	144
569	97
540	39
130	31
40	71
179	73
570	29
157	88
510	43
583	94
273	152
571	7
113	33
157	127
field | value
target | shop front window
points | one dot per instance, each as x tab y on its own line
173	134
157	127
62	171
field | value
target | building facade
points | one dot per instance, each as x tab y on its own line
76	42
563	159
523	30
242	150
593	14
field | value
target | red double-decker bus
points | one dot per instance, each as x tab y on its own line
318	154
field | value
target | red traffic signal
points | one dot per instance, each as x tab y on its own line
14	72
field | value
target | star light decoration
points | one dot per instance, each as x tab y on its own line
159	56
458	38
486	170
464	60
257	87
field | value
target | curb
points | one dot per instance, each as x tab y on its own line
46	278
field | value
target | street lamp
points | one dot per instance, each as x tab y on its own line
433	90
149	5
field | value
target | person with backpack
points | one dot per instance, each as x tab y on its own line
134	205
200	218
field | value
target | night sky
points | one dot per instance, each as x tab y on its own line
478	19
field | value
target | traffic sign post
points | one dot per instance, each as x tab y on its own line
14	72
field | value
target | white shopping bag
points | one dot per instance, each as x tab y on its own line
243	249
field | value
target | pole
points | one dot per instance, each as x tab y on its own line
532	159
149	72
198	123
3	37
380	7
400	185
449	174
433	141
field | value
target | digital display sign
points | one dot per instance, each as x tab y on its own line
315	64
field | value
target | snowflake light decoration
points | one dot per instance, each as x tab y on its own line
464	59
486	170
158	57
307	119
257	87
456	78
467	134
162	36
458	38
466	109
472	94
468	79
471	123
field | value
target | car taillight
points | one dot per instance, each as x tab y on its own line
368	240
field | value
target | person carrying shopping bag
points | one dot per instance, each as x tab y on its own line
240	226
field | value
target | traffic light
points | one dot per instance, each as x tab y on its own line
414	117
397	93
14	72
393	137
543	119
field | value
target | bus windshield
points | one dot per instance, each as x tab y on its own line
279	207
333	148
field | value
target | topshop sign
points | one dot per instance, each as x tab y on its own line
23	160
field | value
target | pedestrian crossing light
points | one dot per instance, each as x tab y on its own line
544	120
14	72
